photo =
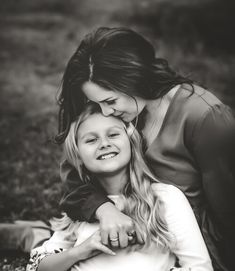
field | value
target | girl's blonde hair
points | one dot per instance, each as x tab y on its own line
141	202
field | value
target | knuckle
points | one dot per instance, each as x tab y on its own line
120	226
104	228
104	242
110	227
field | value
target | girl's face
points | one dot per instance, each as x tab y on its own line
103	144
114	102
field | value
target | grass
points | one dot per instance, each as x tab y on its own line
36	40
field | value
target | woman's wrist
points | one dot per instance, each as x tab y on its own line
104	209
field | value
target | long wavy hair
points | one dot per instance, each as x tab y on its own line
140	201
117	59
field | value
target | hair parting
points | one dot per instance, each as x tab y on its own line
117	59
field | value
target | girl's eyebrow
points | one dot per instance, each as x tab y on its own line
118	127
87	134
94	132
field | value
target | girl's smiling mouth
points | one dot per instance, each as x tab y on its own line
107	155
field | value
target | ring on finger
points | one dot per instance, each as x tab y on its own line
114	239
131	233
130	237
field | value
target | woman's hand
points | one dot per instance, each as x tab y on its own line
117	229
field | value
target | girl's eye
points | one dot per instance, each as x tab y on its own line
110	102
114	135
91	140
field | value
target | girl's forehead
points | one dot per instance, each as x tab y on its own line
99	122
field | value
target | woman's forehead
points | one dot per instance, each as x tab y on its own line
96	93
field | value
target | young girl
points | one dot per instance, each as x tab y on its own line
188	133
107	152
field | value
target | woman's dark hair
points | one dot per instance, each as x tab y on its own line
116	59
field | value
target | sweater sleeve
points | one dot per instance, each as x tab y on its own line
188	244
214	150
80	200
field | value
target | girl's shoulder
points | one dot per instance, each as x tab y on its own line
175	203
168	193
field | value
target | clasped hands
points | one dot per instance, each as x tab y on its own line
117	230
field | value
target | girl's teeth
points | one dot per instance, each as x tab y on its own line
103	157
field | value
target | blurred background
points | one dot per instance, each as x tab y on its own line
37	38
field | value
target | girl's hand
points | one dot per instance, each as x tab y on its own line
116	227
64	260
92	247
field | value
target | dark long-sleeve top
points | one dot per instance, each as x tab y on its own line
194	151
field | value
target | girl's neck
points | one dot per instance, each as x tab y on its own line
114	183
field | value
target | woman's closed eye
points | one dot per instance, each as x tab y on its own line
110	102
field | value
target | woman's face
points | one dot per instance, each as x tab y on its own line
114	102
103	144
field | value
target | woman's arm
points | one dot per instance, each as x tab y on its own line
188	244
214	150
80	201
86	202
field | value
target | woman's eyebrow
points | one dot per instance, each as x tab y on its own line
107	99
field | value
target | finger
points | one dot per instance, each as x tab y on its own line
114	239
131	240
105	249
123	239
114	243
104	237
130	227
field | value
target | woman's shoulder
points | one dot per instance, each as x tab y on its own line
196	105
199	96
197	101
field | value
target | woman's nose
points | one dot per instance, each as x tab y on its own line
106	110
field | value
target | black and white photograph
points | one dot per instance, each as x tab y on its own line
117	142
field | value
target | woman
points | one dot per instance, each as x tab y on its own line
188	134
110	150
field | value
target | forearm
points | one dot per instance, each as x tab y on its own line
82	204
80	201
104	210
61	261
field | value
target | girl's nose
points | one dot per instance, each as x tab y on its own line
104	143
106	110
